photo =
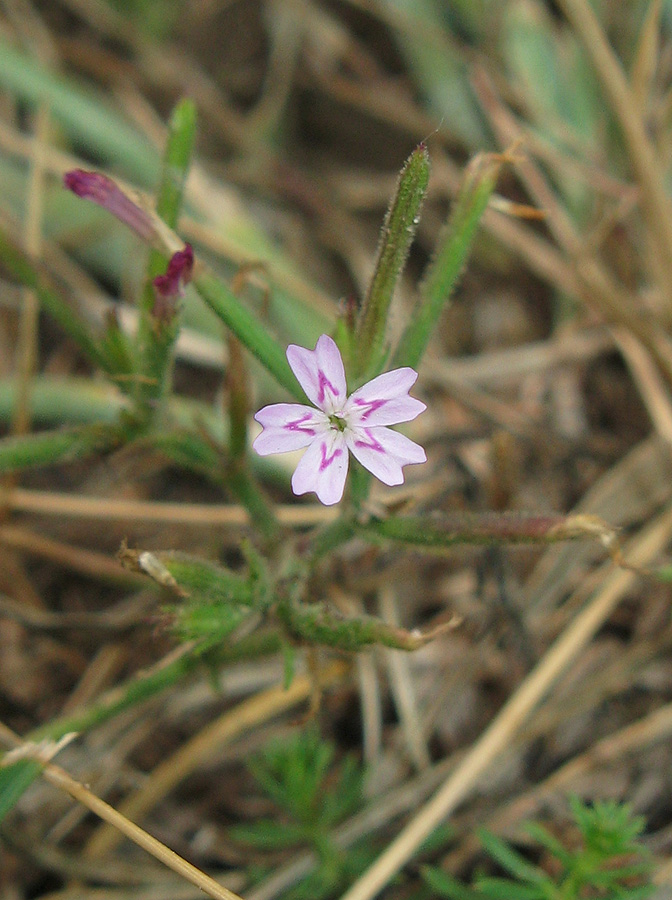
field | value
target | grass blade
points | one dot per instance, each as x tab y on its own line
451	256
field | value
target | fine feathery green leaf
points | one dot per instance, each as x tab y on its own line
545	839
295	773
267	834
501	889
447	886
396	238
509	859
451	255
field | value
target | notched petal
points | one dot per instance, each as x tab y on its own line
288	426
320	373
384	400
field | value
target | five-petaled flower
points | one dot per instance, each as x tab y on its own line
357	423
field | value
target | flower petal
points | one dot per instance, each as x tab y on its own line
288	426
320	373
384	452
384	400
323	468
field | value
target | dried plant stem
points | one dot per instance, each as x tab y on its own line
402	687
645	164
633	739
647	378
110	508
86	562
56	776
593	283
498	735
60	779
247	715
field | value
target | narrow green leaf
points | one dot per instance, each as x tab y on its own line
238	400
249	330
126	695
244	486
238	477
446	530
396	238
331	536
193	451
157	333
48	448
454	246
318	623
117	352
59	401
14	780
176	161
31	274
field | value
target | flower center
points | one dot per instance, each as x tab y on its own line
338	423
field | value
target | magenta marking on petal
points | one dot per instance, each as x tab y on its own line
326	461
371	444
298	424
323	383
372	405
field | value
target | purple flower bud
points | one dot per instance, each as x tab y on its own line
169	287
178	274
107	193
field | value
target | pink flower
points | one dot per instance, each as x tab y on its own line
340	423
